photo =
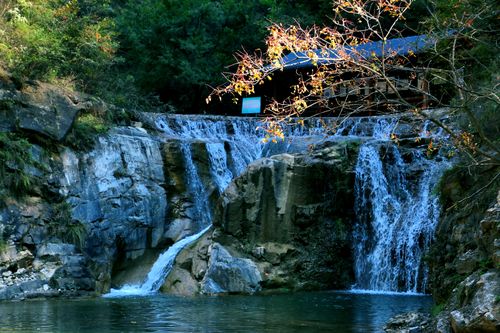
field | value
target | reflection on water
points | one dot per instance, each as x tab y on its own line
301	312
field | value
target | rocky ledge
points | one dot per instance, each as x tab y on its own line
281	225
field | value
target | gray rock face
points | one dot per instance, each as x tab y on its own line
42	108
227	274
465	258
478	308
52	250
293	214
116	191
278	195
116	211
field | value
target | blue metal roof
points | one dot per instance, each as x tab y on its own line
399	46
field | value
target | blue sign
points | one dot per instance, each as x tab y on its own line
250	105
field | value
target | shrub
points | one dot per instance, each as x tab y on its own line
15	160
64	227
85	131
47	40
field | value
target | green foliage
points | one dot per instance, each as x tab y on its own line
129	51
51	39
85	131
472	54
64	227
486	264
15	160
177	48
3	243
469	189
437	309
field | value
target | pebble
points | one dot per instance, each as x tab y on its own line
7	273
45	287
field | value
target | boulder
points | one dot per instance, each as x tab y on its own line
42	108
411	322
480	311
227	274
278	195
181	282
292	214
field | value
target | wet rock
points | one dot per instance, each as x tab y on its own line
189	268
227	274
411	322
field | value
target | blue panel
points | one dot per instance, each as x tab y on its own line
250	105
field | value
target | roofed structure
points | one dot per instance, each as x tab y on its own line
392	47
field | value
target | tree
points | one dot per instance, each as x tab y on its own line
176	49
337	62
54	39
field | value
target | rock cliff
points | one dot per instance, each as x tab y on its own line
291	215
465	258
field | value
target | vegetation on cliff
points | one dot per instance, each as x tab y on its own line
15	159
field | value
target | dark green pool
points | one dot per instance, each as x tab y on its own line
300	312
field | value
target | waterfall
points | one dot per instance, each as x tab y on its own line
158	272
218	165
396	216
395	209
226	142
196	189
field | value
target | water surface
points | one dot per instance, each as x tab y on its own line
299	312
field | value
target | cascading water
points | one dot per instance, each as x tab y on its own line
396	217
218	165
196	189
243	147
158	272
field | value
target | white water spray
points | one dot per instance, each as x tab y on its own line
396	217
